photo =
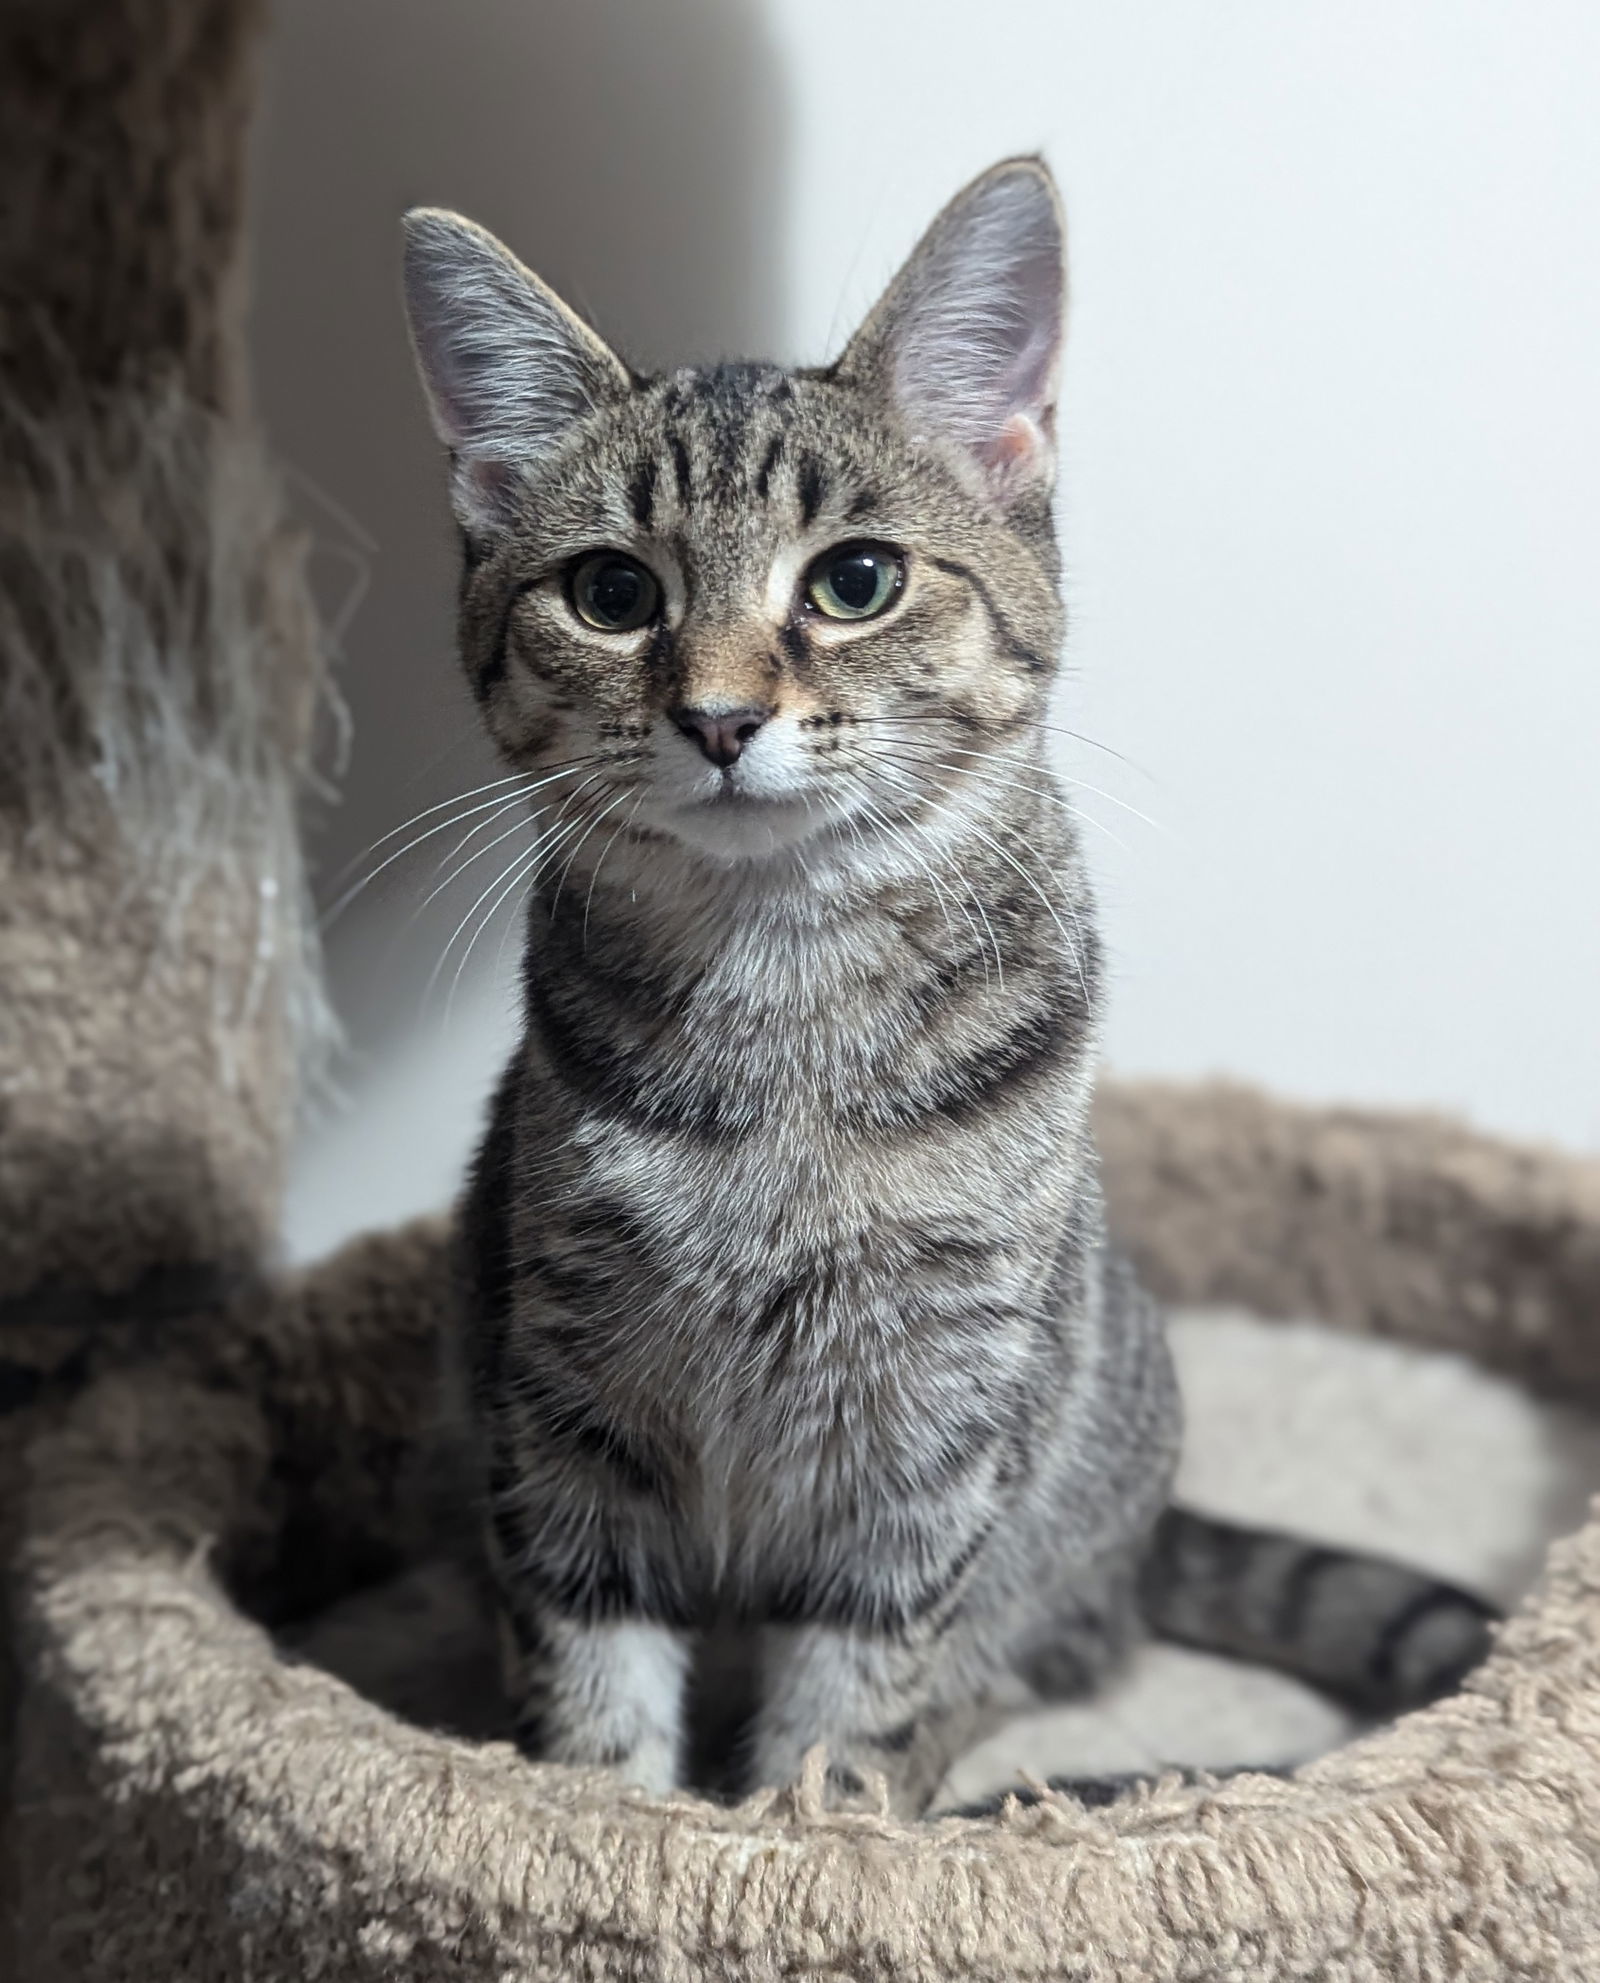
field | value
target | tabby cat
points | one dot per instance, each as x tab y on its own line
789	1321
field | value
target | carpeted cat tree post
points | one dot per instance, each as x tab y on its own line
195	1450
157	670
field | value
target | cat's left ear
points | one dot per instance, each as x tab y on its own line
508	369
966	341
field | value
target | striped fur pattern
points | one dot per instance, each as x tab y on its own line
790	1326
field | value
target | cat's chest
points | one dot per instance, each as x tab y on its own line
756	1026
823	1359
821	1425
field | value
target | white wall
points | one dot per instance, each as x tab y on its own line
1331	488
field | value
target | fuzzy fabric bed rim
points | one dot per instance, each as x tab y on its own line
192	1804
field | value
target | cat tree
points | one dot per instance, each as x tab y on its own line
194	1447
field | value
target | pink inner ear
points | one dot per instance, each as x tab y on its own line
1019	446
484	489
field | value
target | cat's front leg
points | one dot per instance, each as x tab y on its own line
605	1693
872	1700
595	1641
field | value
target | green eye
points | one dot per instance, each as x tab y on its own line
855	581
613	593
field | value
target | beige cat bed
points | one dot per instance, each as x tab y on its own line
198	1459
192	1803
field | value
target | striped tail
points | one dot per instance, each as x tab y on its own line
1369	1632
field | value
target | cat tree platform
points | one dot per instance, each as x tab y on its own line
198	1453
190	1802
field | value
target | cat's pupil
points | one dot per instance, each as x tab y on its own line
615	592
854	580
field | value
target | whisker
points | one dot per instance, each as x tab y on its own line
926	867
567	868
998	757
332	915
994	942
542	868
514	864
1077	784
1054	729
427	812
532	877
443	826
511	877
1072	943
1011	785
460	869
524	868
449	880
588	900
885	825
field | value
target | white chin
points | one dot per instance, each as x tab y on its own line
745	829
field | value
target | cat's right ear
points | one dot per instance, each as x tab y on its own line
508	369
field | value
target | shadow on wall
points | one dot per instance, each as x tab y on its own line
635	156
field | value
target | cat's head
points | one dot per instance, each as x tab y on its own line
744	606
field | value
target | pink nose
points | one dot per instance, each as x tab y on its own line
721	734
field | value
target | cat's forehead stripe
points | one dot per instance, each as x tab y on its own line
812	486
681	468
769	462
642	492
721	440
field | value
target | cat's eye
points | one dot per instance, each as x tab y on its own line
855	581
612	592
